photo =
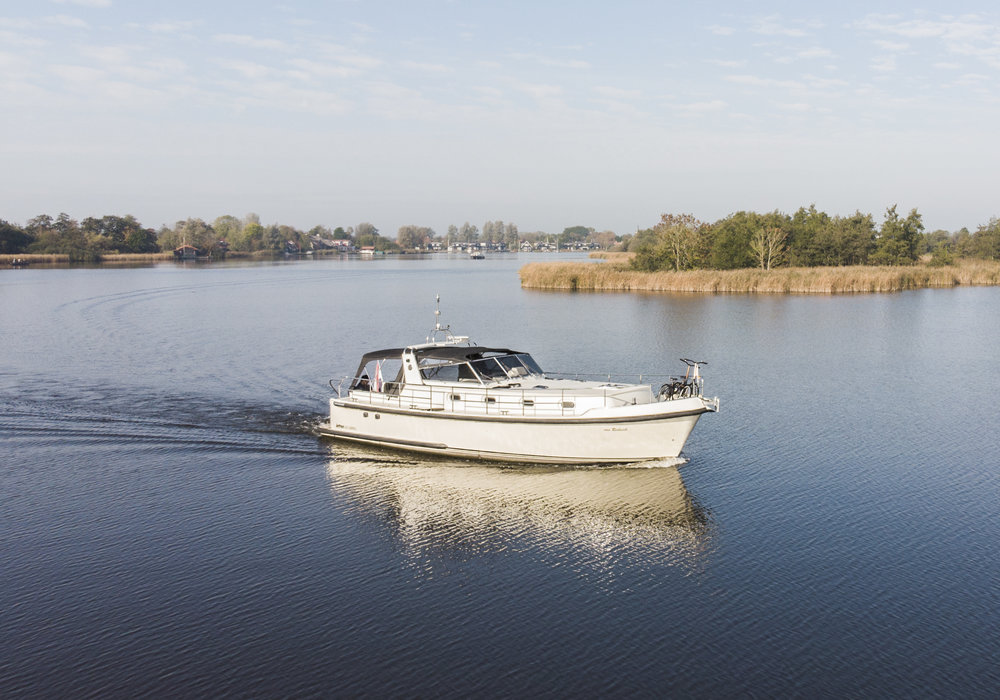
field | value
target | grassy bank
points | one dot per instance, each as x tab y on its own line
616	276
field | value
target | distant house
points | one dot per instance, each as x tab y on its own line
368	250
185	252
292	248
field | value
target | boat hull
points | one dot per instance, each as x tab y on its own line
628	434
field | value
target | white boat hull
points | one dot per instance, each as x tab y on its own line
623	434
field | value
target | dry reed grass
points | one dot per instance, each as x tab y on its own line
616	276
64	259
126	258
39	258
612	255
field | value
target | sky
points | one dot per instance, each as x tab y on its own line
542	114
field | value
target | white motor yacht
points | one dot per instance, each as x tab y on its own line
449	396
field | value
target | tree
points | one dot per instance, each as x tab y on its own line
605	239
63	235
141	240
847	240
985	242
468	233
228	228
452	237
194	232
807	235
670	245
120	233
275	237
365	230
731	240
511	237
253	236
898	239
408	236
768	246
13	239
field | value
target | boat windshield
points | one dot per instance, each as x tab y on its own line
488	368
520	365
506	367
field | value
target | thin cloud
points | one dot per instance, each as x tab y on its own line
757	81
317	70
248	69
426	67
884	64
702	107
720	30
540	91
67	21
726	63
772	26
550	62
251	41
616	93
84	3
815	52
164	27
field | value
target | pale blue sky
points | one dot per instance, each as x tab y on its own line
544	114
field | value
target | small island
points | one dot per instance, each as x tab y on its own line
809	252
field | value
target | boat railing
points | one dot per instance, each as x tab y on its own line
619	378
488	401
671	386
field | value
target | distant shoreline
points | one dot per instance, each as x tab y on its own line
616	276
7	259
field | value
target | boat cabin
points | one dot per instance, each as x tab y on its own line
445	364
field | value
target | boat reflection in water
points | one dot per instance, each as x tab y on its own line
608	515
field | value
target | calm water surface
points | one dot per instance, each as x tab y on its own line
169	524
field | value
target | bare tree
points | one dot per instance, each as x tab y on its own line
768	246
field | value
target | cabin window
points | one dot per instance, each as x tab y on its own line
528	402
489	368
390	370
441	373
568	404
490	399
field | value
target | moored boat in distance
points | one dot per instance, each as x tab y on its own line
449	396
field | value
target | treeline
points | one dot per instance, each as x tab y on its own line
82	241
89	239
807	238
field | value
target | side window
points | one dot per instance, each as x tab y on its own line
441	373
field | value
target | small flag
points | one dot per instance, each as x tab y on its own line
378	376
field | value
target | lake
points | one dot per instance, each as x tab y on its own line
171	526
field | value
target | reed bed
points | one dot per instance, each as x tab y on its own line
612	255
65	259
126	258
615	276
39	258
